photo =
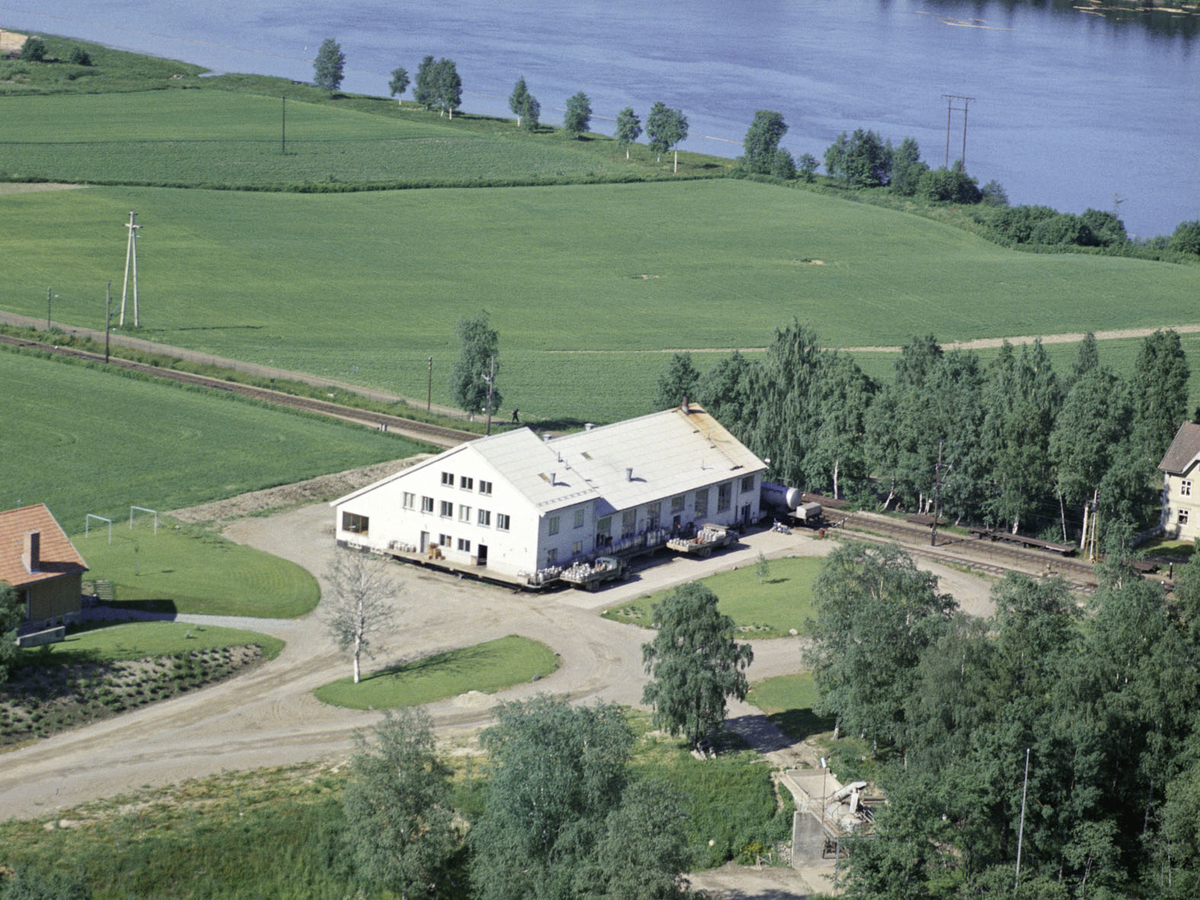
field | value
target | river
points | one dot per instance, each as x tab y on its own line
1070	109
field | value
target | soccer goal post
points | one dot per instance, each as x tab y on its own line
87	525
144	509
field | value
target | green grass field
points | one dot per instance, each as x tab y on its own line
188	570
788	701
97	442
768	609
136	641
221	138
487	667
366	287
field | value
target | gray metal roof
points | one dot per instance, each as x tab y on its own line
1183	450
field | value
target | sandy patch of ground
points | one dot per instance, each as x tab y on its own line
11	41
29	187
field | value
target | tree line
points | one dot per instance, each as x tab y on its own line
1021	447
1103	700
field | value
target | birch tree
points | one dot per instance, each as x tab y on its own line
361	611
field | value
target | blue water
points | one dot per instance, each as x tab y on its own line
1071	110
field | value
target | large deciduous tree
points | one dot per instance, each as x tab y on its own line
665	127
448	86
695	664
1158	393
558	772
399	824
360	611
876	613
472	373
907	167
762	140
425	90
329	66
578	117
524	106
629	128
679	381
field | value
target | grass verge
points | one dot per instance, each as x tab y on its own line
769	608
188	570
144	639
487	667
788	701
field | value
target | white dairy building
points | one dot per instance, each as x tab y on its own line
516	503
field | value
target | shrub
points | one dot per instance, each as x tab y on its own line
33	50
994	194
79	57
1064	229
949	185
1108	229
1016	223
782	165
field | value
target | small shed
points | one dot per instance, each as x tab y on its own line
39	560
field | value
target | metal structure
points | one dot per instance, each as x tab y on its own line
131	256
950	107
143	509
87	523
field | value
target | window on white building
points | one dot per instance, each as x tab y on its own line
701	507
355	523
444	540
653	512
1185	489
448	479
579	517
503	522
464	545
485	487
724	496
1183	517
464	513
410	500
576	548
552	525
485	517
628	523
677	504
747	484
467	484
427	504
604	526
551	556
447	509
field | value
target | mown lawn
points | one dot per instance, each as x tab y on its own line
788	701
87	440
188	570
770	608
487	667
143	639
365	287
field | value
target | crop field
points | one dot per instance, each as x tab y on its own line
365	287
185	569
221	138
93	441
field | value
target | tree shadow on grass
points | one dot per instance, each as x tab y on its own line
800	724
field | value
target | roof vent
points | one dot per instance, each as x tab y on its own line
629	474
684	407
554	478
588	426
546	436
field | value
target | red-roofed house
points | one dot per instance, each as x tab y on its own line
38	560
1181	484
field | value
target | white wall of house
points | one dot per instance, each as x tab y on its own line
1181	505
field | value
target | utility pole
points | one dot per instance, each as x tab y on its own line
48	290
1021	830
131	255
283	129
107	316
491	384
950	107
429	396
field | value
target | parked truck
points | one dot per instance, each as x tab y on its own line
589	576
709	538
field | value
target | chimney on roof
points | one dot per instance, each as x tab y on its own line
629	474
546	436
684	407
31	551
588	426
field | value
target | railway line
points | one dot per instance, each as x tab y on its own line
983	556
438	435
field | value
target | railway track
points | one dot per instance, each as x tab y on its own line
438	435
984	556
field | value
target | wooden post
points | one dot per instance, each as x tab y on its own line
107	316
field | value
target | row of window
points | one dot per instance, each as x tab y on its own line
467	483
552	553
444	540
446	511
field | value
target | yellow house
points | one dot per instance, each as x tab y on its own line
1181	493
38	559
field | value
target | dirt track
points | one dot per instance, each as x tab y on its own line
270	717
